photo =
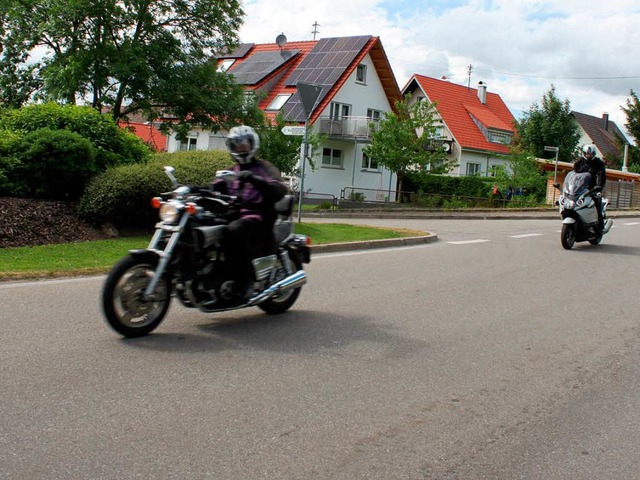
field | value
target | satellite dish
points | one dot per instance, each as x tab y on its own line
281	40
446	147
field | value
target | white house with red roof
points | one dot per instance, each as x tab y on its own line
476	126
357	86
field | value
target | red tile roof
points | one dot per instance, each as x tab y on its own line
148	133
459	105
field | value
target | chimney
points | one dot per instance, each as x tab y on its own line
605	122
482	92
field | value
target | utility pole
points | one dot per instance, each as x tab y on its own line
469	70
315	29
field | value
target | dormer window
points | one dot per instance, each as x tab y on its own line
279	101
361	74
225	64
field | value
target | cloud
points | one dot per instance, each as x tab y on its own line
587	49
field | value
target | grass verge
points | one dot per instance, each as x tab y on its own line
97	257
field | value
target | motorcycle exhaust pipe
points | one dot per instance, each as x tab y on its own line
607	226
296	280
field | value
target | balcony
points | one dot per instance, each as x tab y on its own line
348	128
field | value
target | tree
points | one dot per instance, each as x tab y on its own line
550	124
151	57
404	139
632	111
284	150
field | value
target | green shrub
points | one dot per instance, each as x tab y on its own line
113	145
53	164
121	195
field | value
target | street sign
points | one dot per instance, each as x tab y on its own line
550	149
309	94
293	130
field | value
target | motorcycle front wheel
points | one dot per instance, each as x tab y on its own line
568	235
123	305
282	303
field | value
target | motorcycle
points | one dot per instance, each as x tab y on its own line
579	213
185	258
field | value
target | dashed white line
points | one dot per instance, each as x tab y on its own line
465	242
526	235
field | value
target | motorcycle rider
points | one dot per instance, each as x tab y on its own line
589	162
259	186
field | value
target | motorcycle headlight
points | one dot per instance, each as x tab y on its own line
569	204
169	213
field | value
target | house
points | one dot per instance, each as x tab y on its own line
356	87
148	132
604	134
476	126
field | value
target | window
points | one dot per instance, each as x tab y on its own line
279	101
189	144
499	137
368	163
473	168
331	157
361	74
339	110
374	114
225	64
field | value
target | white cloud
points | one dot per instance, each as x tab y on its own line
586	48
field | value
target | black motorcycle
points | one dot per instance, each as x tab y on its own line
186	258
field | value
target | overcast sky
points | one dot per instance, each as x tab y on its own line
589	49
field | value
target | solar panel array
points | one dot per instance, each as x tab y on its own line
323	65
239	52
260	65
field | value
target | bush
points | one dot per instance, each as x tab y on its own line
113	145
121	195
53	164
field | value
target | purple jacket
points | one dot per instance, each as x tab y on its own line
259	193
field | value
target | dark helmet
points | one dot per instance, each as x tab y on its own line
589	150
243	143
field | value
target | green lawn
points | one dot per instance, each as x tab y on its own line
99	256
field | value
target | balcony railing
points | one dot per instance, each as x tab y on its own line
351	128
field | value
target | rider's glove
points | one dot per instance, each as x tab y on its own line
245	176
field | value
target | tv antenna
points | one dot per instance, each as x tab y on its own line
469	70
315	29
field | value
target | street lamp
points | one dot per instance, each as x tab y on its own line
555	171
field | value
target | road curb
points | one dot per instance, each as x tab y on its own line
374	244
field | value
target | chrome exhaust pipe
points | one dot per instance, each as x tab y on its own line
296	280
607	226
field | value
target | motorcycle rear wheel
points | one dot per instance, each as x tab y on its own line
282	303
122	304
568	236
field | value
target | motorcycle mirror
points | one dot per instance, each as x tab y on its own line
226	175
169	171
557	185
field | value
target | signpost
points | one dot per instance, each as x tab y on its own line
309	94
293	130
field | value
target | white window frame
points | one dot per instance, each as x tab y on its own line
373	114
361	74
338	111
279	101
189	145
473	168
369	164
329	156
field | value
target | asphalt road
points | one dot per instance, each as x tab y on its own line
487	354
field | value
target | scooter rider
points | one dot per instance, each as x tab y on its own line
259	186
589	162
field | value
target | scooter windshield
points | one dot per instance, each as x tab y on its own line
575	184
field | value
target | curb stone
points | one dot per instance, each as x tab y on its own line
373	244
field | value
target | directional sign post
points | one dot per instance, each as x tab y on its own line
293	130
309	94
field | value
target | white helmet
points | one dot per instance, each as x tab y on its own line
243	143
589	150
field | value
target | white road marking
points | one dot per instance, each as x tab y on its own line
465	242
631	223
526	235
